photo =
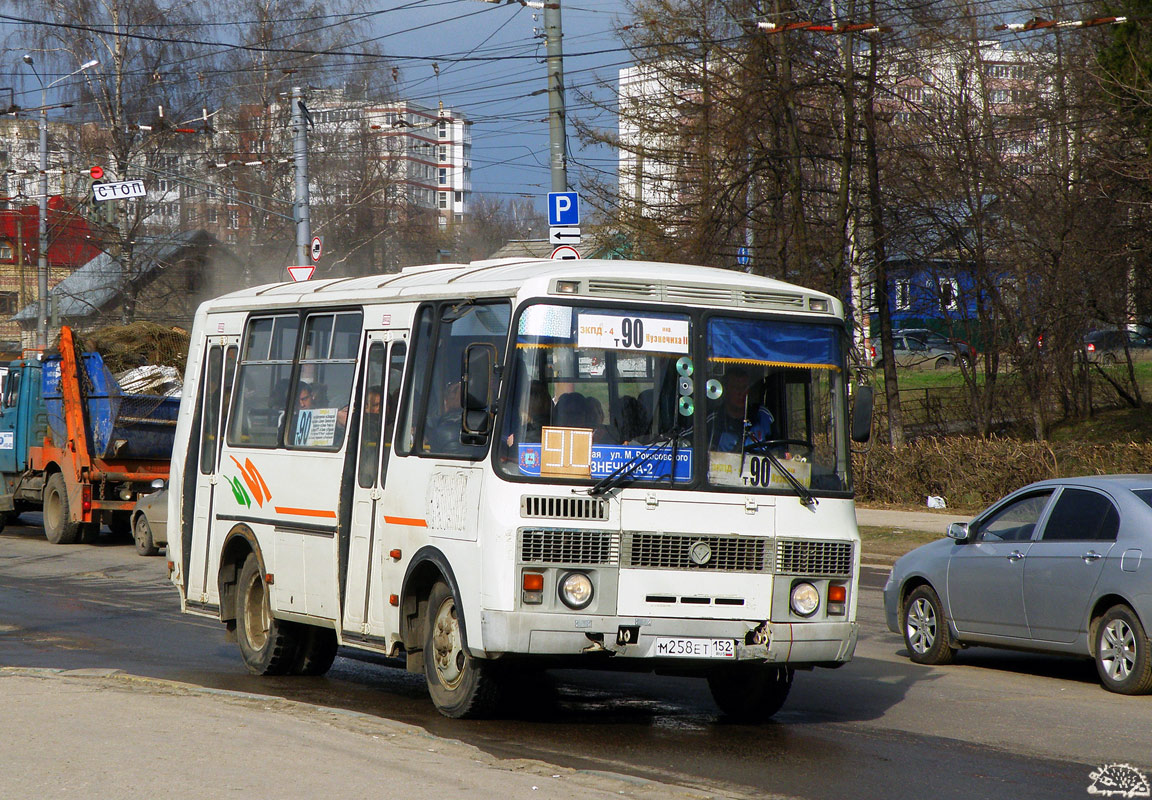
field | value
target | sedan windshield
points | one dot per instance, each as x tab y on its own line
609	397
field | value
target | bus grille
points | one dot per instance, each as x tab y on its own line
569	547
675	551
593	508
804	557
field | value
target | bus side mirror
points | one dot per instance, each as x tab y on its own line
476	391
862	414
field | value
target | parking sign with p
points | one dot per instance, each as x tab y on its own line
563	208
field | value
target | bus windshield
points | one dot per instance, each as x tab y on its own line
603	392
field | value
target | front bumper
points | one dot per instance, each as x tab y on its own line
544	634
892	605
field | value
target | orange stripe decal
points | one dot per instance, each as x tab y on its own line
306	512
416	523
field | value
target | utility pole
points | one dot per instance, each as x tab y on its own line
300	209
557	134
42	268
42	263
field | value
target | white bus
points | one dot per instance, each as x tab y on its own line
517	464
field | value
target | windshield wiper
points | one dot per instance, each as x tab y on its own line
806	497
627	470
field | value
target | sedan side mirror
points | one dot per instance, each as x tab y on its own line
958	531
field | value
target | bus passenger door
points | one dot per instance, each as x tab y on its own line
215	393
367	584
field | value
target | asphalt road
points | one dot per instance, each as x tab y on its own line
994	725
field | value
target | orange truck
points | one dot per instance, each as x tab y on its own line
76	446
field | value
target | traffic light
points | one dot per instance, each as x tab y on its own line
96	172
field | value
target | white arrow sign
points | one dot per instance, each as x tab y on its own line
564	236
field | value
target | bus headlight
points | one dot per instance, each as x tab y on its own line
576	590
805	599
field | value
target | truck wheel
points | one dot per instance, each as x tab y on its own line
461	686
267	645
315	652
142	534
58	526
752	693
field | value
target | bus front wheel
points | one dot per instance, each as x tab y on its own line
750	693
267	645
460	685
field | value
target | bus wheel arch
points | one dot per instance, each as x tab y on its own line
427	568
238	545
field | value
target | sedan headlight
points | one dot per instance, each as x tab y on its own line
805	599
576	590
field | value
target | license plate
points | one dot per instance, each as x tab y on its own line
683	647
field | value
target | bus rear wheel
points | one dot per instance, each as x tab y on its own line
461	686
58	525
267	645
315	650
750	693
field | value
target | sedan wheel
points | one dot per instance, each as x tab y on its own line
1122	658
926	628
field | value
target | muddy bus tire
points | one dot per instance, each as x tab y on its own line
750	693
267	645
315	650
461	686
58	527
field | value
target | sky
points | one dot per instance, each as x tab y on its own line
482	60
510	155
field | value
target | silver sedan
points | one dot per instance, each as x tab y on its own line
1057	566
150	522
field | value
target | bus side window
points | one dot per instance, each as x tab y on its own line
392	402
262	382
210	397
417	383
372	404
433	418
324	383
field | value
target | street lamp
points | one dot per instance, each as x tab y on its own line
42	267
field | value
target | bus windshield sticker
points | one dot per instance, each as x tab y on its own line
724	470
638	334
554	322
604	459
316	427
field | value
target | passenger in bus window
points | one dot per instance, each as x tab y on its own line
442	431
738	422
534	416
572	411
304	397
